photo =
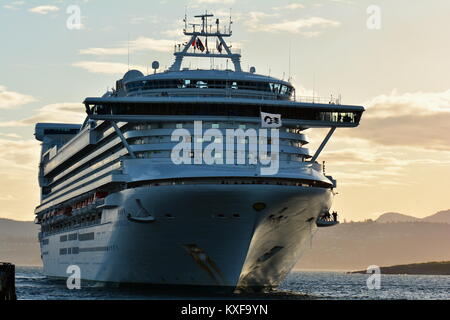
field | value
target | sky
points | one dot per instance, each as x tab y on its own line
391	56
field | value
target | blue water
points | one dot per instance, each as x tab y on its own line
31	284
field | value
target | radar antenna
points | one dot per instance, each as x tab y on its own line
202	50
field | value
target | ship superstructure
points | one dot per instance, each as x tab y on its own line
114	203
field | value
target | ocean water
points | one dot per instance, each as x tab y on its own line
31	284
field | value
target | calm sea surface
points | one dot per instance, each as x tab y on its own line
33	285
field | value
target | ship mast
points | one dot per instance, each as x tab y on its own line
197	45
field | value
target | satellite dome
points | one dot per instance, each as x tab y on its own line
132	74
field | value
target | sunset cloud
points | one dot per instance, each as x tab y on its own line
409	119
11	99
397	132
19	161
416	104
58	113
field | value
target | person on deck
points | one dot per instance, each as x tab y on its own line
335	216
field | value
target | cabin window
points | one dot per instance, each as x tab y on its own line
86	236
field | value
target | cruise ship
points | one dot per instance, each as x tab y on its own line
116	204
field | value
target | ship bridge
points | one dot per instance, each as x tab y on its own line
205	83
182	94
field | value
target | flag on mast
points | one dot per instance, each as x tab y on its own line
219	46
200	45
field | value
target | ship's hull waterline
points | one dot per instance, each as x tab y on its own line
210	236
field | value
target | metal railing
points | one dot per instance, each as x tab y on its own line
313	99
230	93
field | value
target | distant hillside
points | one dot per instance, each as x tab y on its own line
395	217
14	228
429	268
354	246
440	217
348	246
19	243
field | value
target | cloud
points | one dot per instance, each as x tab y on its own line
11	99
214	1
144	43
105	67
44	9
256	21
177	32
14	5
418	104
302	26
139	44
291	6
255	17
343	1
19	189
58	113
427	131
420	119
300	90
398	132
52	113
10	135
18	154
104	51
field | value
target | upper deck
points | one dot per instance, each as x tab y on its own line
184	94
207	83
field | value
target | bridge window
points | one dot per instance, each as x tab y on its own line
331	114
209	84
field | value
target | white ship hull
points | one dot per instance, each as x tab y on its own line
209	235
